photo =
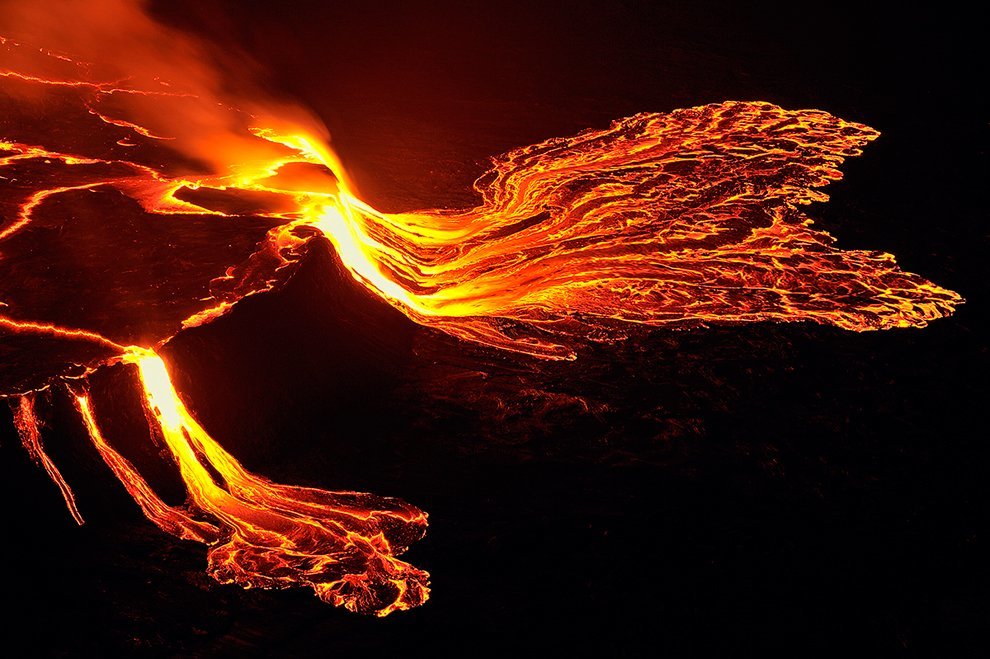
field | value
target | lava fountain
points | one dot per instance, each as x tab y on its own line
185	198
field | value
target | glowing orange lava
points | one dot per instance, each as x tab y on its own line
28	428
341	544
677	219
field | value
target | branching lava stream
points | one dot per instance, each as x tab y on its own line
152	183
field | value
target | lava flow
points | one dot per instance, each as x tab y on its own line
138	200
342	544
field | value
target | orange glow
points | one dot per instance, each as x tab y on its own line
28	428
675	219
28	327
341	544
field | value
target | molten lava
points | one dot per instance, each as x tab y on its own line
28	428
677	219
341	544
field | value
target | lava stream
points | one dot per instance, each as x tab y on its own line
138	202
28	427
341	544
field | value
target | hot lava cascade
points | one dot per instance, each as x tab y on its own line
179	204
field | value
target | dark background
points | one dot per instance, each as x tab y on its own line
767	488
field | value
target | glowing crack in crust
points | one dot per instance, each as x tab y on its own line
676	219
